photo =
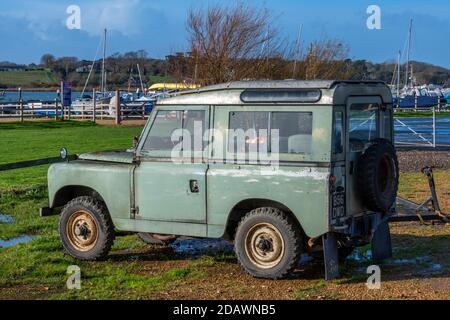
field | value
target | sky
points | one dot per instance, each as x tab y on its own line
30	28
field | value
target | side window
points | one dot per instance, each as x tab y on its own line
247	131
168	125
194	126
250	132
387	118
159	137
338	133
294	131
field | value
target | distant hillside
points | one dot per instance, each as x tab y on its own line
27	79
423	73
122	71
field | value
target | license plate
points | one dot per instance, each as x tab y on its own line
338	205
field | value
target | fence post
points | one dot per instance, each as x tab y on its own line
61	98
415	102
94	110
434	127
68	112
20	105
21	109
118	108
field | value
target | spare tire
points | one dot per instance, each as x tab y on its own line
377	176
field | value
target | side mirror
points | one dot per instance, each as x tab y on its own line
135	142
63	153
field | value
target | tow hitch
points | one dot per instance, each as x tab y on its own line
428	210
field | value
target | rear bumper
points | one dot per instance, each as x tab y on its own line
46	212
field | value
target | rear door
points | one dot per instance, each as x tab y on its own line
364	123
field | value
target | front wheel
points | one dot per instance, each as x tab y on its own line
86	229
268	243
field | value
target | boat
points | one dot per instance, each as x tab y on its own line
172	86
412	96
103	97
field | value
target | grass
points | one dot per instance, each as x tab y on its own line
420	114
36	140
27	78
42	262
159	79
135	271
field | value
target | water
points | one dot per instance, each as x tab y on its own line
201	246
16	240
4	218
424	128
13	96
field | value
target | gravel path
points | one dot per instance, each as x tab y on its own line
414	160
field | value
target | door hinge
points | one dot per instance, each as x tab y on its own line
134	212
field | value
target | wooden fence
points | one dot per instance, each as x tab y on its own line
86	110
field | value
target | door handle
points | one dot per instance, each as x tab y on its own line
193	184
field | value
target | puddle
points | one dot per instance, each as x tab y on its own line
359	256
201	246
436	267
16	240
4	218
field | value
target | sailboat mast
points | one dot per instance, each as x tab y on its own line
398	73
103	64
297	51
408	52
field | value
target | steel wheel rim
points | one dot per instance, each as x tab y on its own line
82	230
264	245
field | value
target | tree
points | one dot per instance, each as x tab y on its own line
230	43
48	60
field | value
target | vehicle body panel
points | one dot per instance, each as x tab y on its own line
112	181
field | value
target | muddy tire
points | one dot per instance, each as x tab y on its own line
377	176
268	243
86	229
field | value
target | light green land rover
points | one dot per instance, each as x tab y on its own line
280	168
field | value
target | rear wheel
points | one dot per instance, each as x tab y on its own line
267	243
86	229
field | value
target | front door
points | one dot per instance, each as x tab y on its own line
170	181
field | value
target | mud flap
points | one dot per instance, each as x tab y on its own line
381	242
330	255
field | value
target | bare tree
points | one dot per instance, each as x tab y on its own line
322	59
230	43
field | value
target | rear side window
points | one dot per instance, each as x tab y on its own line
294	131
282	132
248	131
338	133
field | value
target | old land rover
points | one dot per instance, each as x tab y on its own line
279	168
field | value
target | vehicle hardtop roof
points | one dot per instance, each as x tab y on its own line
332	91
282	84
